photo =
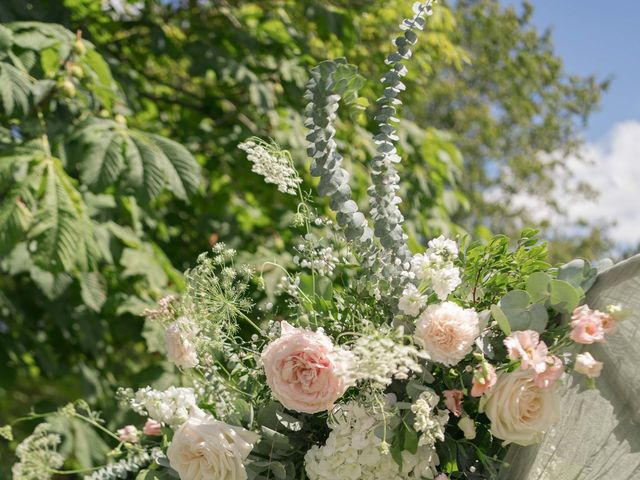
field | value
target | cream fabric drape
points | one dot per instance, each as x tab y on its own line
598	437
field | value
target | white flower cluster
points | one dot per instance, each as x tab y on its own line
273	163
435	267
38	455
429	420
171	407
353	451
122	468
322	260
289	285
412	302
383	356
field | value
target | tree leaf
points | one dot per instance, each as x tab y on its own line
15	90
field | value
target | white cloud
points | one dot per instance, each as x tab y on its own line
614	171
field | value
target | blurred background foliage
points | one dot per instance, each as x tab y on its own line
139	170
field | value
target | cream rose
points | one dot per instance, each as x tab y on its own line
519	410
204	448
304	371
447	332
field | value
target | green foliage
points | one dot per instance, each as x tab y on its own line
75	183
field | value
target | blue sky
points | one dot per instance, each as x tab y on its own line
603	38
599	37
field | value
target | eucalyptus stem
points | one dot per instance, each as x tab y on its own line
383	193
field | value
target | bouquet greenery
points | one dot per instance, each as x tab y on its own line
357	357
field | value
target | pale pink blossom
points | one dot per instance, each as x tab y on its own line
179	341
152	428
588	326
447	332
304	370
484	378
453	401
587	365
552	373
128	434
442	476
526	346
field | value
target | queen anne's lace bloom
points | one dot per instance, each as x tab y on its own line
353	451
172	406
382	357
38	455
273	163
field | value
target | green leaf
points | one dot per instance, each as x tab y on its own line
564	297
93	290
15	90
501	318
109	152
61	232
447	453
520	312
538	286
6	40
104	85
579	273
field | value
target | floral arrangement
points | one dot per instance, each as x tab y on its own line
368	360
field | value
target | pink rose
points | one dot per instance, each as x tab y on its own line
303	370
447	332
587	365
588	326
128	434
526	346
453	401
152	428
552	373
484	378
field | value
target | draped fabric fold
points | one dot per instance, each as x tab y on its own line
598	436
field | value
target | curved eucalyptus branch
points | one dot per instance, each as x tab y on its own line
331	81
383	193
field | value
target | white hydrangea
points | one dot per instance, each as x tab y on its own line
429	421
353	451
172	406
435	267
273	163
383	356
412	301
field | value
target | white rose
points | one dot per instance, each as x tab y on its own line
521	412
180	348
204	448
